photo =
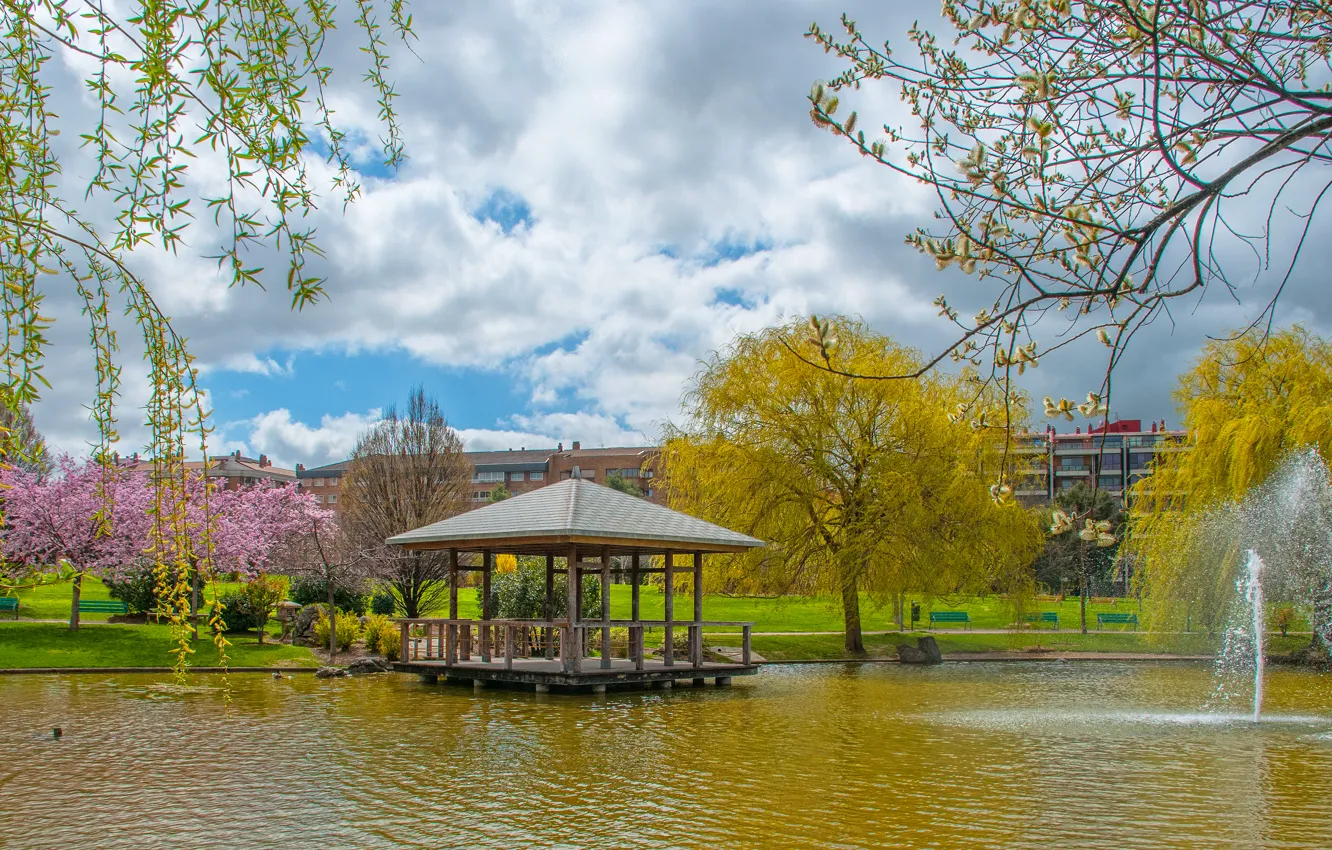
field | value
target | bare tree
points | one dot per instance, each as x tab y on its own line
1095	161
328	553
407	471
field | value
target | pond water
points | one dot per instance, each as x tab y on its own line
979	755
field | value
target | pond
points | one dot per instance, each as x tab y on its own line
979	755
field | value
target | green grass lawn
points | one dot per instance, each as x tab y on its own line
113	645
806	647
53	601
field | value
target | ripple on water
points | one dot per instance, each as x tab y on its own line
974	755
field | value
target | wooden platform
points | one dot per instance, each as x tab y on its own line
547	674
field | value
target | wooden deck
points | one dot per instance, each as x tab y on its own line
532	653
545	674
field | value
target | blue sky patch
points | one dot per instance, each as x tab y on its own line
729	249
334	383
505	208
734	297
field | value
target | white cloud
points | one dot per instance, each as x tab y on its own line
288	442
627	129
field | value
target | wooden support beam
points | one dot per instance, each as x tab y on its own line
487	562
635	576
573	648
605	607
508	647
549	610
668	645
403	650
744	645
451	651
696	643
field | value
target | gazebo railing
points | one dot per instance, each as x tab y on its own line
452	641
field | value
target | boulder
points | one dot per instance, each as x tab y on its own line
930	647
330	673
302	630
363	666
908	654
926	651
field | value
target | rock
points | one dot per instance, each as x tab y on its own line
302	631
363	666
330	673
930	647
926	651
908	654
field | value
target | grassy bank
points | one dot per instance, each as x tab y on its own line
830	646
53	601
24	645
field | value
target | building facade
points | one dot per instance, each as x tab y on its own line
519	470
1114	456
228	472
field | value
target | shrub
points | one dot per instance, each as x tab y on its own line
349	629
263	593
389	644
237	615
383	603
138	589
520	594
310	589
376	624
619	640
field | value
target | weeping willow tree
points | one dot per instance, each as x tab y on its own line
239	87
875	487
1249	402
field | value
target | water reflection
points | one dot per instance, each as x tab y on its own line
993	755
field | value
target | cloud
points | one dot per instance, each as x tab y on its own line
288	442
597	196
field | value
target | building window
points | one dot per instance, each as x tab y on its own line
536	476
624	473
332	499
496	477
480	495
316	482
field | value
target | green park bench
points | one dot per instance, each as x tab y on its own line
950	617
1116	620
10	604
102	606
1043	617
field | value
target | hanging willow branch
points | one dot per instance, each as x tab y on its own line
239	84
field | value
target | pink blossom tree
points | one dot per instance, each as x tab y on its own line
92	518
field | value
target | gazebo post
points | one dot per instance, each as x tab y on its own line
487	558
572	646
636	632
550	605
451	651
698	610
668	647
605	607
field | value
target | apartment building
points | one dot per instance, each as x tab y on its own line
520	470
1114	455
229	472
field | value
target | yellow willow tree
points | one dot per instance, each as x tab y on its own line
858	486
98	175
1248	403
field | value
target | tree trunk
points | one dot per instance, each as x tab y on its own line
74	604
1082	589
855	642
333	626
899	600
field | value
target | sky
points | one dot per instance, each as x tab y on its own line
596	197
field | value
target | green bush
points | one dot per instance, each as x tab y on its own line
237	615
308	590
619	640
389	644
521	594
375	625
349	629
138	589
383	603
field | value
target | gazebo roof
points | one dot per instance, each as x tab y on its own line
575	512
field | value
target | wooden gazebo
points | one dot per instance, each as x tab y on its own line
577	526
